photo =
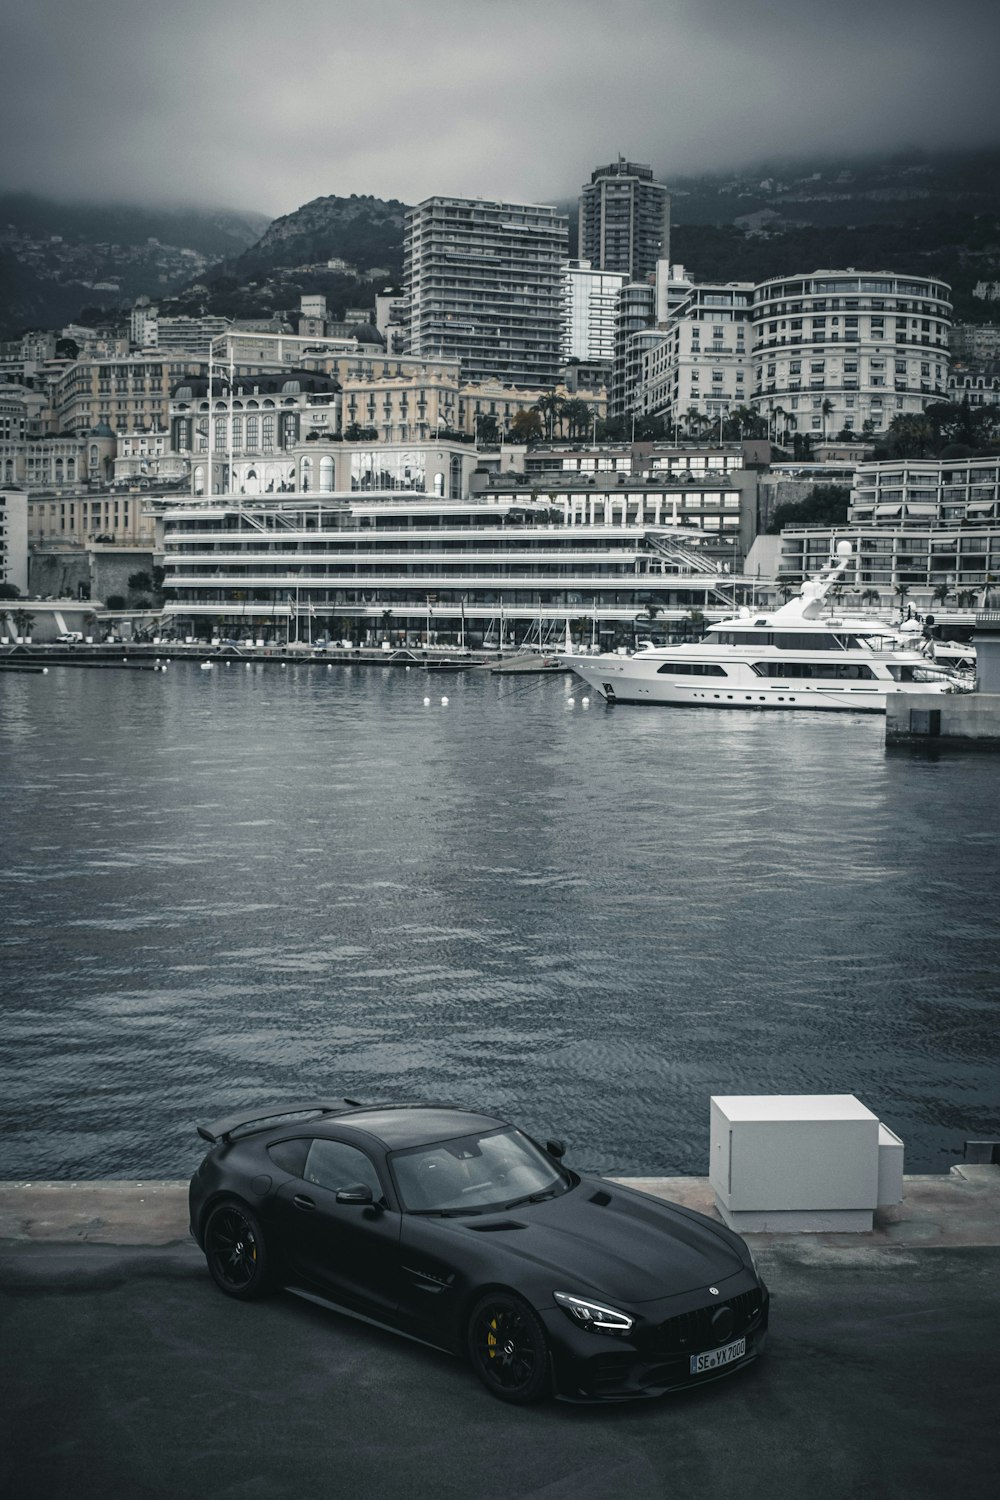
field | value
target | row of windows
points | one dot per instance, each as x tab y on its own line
787	640
842	671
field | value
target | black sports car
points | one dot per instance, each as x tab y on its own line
463	1232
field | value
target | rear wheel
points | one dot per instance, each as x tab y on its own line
235	1250
507	1347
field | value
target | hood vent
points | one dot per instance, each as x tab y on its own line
601	1198
495	1224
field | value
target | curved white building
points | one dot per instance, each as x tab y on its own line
838	349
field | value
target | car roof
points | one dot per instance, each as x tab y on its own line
408	1125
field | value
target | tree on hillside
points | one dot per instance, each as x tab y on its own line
487	428
910	435
825	505
526	426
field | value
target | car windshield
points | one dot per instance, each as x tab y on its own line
475	1172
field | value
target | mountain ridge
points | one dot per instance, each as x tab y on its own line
910	212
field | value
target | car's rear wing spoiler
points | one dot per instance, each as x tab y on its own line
222	1130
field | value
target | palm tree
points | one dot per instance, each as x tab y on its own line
870	596
827	410
779	423
941	593
386	621
694	420
578	417
24	623
550	408
901	590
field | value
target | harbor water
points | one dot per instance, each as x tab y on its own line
255	883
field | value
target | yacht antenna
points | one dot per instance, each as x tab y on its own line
229	347
208	440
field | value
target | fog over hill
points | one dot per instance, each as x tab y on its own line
931	214
57	259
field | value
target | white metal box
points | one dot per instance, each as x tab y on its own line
890	1166
794	1161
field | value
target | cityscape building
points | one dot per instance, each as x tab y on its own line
700	363
125	393
928	527
177	333
14	539
624	220
408	568
635	332
975	387
482	281
589	309
258	427
88	516
848	349
818	355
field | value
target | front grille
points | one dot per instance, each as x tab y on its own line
701	1328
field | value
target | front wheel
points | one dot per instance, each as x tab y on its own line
507	1348
234	1248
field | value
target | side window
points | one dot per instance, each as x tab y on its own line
290	1156
334	1165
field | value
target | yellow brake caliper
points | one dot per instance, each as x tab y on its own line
491	1339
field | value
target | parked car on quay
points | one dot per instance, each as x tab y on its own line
464	1232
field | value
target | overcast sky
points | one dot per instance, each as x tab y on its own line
265	104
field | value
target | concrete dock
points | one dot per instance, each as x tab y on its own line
969	719
126	1374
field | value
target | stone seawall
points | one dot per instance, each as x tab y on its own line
923	718
85	573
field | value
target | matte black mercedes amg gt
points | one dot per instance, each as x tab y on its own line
463	1232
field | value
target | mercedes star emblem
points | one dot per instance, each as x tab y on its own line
714	1290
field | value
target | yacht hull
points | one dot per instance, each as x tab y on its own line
627	681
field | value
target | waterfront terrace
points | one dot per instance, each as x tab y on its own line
393	566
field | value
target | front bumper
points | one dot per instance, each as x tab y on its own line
655	1358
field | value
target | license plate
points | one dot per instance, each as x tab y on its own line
715	1358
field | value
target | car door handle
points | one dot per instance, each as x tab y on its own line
301	1201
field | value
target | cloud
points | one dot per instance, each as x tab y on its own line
245	103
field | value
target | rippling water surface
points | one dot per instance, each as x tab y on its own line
221	888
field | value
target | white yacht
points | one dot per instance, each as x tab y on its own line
795	657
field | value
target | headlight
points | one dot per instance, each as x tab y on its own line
593	1315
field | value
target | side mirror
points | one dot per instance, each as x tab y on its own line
556	1149
359	1195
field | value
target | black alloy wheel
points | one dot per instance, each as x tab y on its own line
235	1251
507	1348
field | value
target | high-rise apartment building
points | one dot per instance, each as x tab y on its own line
624	220
484	285
590	301
635	331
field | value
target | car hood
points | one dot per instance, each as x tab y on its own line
616	1242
